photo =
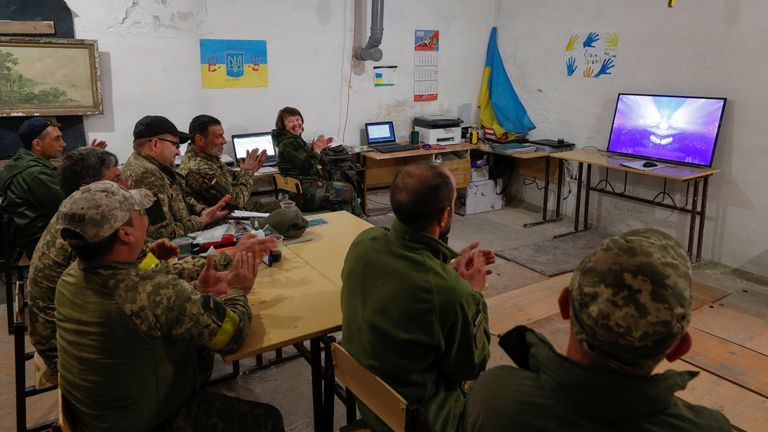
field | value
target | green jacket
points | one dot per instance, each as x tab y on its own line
410	319
129	340
549	392
31	196
200	170
295	158
168	186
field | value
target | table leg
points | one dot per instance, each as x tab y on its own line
560	168
694	211
329	384
546	190
578	199
317	383
702	216
586	196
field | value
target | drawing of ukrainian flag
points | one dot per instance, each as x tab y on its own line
227	63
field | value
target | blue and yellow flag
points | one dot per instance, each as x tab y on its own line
500	108
233	63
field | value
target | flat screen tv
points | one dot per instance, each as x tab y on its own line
677	129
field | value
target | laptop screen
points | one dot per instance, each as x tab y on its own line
244	143
380	132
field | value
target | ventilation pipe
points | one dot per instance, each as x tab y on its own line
371	50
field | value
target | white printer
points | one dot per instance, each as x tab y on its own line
438	129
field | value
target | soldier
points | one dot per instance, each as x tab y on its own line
128	339
81	167
629	305
412	309
297	159
156	144
208	179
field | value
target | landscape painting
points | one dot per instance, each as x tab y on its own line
44	76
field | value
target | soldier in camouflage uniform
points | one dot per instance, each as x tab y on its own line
128	339
156	144
79	167
297	159
208	179
629	305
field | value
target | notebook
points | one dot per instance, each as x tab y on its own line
243	143
381	137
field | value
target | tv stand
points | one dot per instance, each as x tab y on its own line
698	176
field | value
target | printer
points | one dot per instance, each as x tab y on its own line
438	129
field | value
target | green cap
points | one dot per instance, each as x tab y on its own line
631	298
289	223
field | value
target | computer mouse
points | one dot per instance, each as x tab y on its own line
649	164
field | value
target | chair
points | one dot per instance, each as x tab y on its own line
20	358
377	395
287	184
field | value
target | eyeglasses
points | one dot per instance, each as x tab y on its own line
177	144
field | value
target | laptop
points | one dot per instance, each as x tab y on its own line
243	143
381	137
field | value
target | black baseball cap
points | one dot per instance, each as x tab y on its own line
32	128
152	126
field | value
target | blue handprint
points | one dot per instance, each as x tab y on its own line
589	41
570	65
605	68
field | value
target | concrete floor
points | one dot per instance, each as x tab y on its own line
287	385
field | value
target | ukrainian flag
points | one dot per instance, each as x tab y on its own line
500	108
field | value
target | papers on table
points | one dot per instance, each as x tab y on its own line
211	235
237	214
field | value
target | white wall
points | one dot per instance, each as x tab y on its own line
702	47
149	53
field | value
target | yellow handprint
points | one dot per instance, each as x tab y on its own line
571	45
611	41
588	72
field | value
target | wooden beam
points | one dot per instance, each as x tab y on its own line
27	27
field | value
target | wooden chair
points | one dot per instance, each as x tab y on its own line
287	184
377	395
20	358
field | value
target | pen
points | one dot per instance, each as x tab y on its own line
297	241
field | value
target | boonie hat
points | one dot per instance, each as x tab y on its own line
98	209
631	298
153	125
32	128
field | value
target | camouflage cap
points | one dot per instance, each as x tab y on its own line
289	223
631	298
98	209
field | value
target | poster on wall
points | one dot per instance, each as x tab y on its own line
229	63
591	54
384	76
426	48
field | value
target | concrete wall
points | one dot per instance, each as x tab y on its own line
150	62
703	47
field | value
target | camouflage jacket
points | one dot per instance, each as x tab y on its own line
168	187
49	262
295	158
128	341
201	171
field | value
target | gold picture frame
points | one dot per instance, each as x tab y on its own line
49	77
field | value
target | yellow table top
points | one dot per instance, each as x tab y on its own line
299	297
613	161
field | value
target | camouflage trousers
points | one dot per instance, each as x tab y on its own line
334	196
216	412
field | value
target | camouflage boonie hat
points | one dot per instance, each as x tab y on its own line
631	298
98	209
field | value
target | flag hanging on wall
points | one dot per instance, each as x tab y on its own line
500	107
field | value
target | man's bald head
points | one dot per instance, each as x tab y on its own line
420	193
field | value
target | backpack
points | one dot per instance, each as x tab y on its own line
339	165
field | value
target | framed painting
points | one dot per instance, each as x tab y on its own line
45	76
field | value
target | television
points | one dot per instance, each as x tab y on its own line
676	129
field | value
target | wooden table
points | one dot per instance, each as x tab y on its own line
299	299
699	177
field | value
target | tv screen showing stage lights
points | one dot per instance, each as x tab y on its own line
678	129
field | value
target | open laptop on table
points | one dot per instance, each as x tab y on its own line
243	143
381	137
